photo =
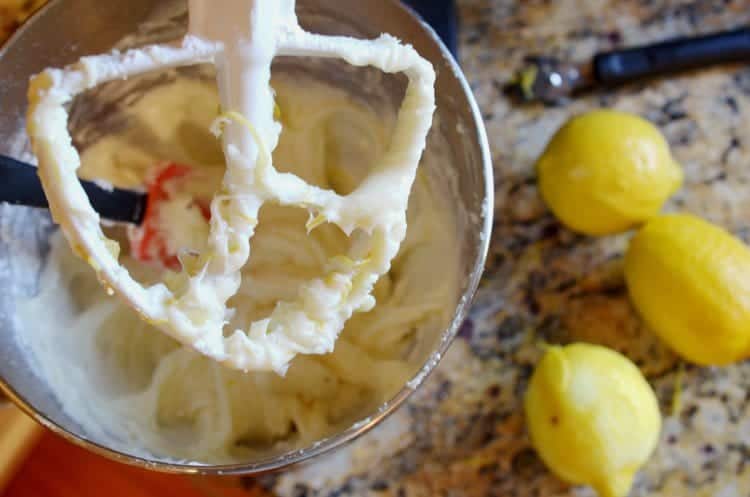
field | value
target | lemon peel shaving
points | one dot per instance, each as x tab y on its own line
348	263
219	125
113	247
95	266
315	221
248	219
277	115
679	379
78	250
193	264
230	197
526	79
332	279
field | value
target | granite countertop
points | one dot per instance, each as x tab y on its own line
463	432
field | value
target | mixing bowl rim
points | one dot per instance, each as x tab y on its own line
326	445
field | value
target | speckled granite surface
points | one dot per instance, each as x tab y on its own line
462	434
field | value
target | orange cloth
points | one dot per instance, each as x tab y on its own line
57	468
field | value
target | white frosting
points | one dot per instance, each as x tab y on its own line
241	37
139	391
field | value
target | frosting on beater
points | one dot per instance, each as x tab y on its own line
241	38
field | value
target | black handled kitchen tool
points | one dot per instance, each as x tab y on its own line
551	81
20	185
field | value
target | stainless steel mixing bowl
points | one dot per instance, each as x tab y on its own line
66	29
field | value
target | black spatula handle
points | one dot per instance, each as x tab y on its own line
622	66
20	185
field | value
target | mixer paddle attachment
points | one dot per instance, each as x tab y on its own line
241	38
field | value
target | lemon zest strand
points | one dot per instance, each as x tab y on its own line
314	222
677	392
526	80
217	128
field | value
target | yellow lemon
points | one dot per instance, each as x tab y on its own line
605	171
690	281
592	417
